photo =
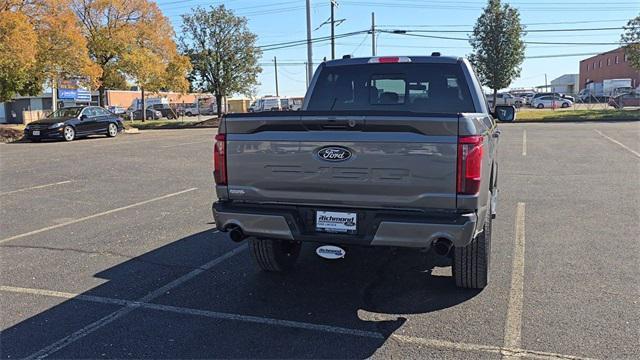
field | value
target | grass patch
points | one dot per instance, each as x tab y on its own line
11	133
548	115
169	124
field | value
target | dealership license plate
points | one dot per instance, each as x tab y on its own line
36	132
336	222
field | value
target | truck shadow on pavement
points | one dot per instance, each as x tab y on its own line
341	309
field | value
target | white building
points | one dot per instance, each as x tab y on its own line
566	84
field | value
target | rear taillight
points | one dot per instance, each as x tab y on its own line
220	160
470	150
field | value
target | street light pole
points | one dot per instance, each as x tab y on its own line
309	47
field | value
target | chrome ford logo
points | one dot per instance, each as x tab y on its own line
334	153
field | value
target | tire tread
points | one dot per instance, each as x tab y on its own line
471	263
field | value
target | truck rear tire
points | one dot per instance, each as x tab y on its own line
274	255
471	263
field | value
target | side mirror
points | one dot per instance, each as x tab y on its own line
83	117
505	113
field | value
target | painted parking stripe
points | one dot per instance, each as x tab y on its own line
637	154
524	142
36	187
196	312
513	327
130	306
504	351
189	143
94	216
431	343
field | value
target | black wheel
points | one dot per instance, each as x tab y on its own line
189	113
112	130
540	106
565	105
69	133
471	263
274	255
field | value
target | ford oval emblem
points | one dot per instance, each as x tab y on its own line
334	153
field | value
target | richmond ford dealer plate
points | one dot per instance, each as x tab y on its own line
336	222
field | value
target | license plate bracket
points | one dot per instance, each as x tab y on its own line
336	222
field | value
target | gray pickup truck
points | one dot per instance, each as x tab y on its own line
387	151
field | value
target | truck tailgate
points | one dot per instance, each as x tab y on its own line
390	161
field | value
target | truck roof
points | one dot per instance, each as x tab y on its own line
413	59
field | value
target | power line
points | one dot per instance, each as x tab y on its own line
406	33
290	44
447	6
526	24
528	31
559	55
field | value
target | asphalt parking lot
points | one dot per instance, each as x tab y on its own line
108	250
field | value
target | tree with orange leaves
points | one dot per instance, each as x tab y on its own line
40	42
131	39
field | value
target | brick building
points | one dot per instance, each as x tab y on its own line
612	64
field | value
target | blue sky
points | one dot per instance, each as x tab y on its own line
276	21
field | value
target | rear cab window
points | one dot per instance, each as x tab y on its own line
411	87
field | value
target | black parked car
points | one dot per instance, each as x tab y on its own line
72	122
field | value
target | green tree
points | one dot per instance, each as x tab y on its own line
498	46
223	52
631	39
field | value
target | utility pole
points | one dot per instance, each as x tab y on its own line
373	34
307	73
333	26
309	47
275	63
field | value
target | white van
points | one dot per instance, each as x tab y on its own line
267	103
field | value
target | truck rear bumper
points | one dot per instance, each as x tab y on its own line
375	227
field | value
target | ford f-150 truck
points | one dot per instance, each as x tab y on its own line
387	151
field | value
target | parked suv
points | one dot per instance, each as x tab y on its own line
387	151
165	110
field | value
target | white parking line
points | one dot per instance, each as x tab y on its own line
637	154
189	143
513	327
36	187
524	142
130	306
93	216
450	345
431	343
196	312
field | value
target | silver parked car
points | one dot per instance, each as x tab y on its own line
551	101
